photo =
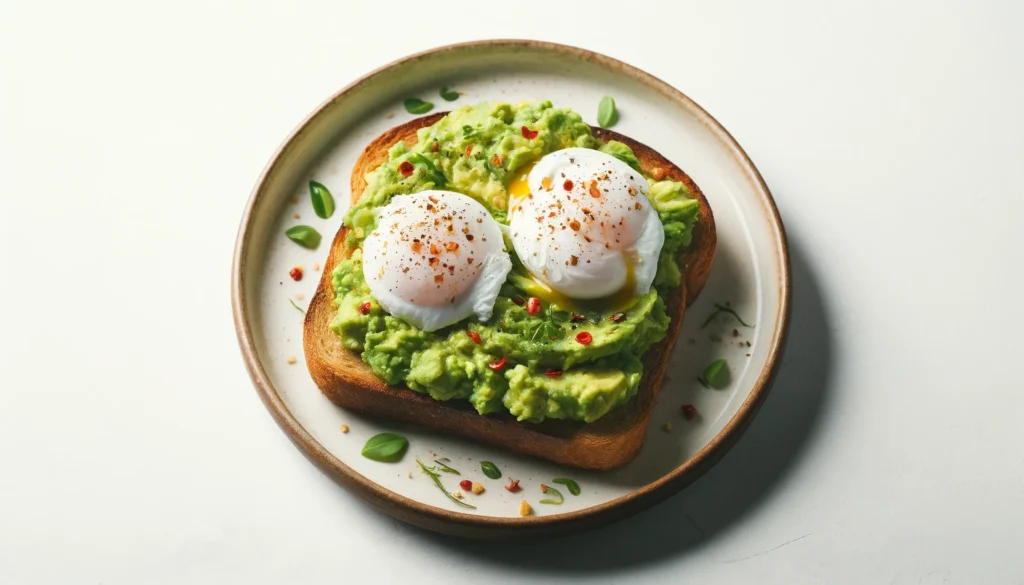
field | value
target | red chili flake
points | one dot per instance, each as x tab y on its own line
513	485
436	146
469	150
518	300
689	411
405	168
617	317
553	373
474	336
576	317
584	337
496	160
497	365
529	134
533	306
466	484
364	308
567	185
543	488
296	273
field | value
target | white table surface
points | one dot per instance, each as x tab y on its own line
133	448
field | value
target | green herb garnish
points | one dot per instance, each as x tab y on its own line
574	488
607	115
716	375
550	490
449	95
594	317
490	470
323	202
468	131
297	308
385	447
437	481
418	106
446	468
724	309
304	236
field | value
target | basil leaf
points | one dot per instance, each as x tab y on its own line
607	115
550	490
386	447
297	308
323	202
418	106
449	95
716	375
468	131
304	236
574	488
437	481
595	317
490	470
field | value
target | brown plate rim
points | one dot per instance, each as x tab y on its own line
457	523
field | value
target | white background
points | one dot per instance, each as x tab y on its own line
133	448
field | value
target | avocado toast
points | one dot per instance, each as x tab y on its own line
616	431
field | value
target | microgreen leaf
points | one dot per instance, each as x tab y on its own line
607	115
304	236
449	95
385	447
490	470
724	309
437	481
550	490
297	307
418	106
574	488
323	202
716	375
446	468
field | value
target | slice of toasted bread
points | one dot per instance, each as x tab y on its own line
606	443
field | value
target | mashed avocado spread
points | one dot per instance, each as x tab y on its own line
481	151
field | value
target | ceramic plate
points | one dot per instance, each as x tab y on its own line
751	274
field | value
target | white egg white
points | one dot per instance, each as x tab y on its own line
435	258
587	229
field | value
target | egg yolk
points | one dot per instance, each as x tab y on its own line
519	186
621	300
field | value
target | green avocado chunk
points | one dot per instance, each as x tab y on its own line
546	373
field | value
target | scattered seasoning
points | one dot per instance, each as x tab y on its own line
417	106
716	375
667	428
553	373
441	462
293	199
490	470
529	134
617	317
466	484
474	336
735	333
389	115
496	160
748	344
524	508
724	309
518	300
291	360
748	355
657	173
458	494
316	267
574	488
584	337
513	485
497	365
448	95
406	168
385	447
567	185
533	306
546	489
296	215
297	308
689	411
477	488
469	150
344	428
323	201
607	115
304	236
295	273
436	478
365	308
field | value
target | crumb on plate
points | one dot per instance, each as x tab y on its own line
344	428
291	360
478	488
524	508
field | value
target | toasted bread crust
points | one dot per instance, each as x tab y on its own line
604	444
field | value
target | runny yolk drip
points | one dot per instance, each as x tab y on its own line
620	300
519	186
